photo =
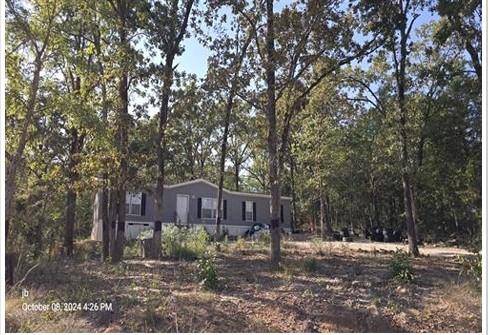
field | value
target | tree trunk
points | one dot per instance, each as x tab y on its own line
71	200
407	187
328	217
472	51
228	110
119	242
322	218
274	178
161	147
123	124
71	195
393	216
175	37
112	222
313	223
106	210
413	197
412	236
475	59
229	106
293	194
237	177
106	224
374	204
15	161
157	245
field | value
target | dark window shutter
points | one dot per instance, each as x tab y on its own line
143	204
255	212
243	210
199	204
224	209
282	213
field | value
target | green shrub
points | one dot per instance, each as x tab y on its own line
184	243
88	250
207	273
401	268
197	241
132	249
471	265
145	234
310	264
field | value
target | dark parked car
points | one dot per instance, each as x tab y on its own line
380	234
337	236
258	228
374	234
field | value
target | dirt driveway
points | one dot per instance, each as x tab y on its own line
369	246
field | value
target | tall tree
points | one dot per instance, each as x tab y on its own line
303	60
168	28
36	39
78	64
125	23
274	179
33	29
395	20
227	64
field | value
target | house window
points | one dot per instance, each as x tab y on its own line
249	210
208	209
133	203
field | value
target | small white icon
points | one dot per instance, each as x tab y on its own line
25	293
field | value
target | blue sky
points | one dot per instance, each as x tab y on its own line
194	59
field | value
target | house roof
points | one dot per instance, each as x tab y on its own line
201	180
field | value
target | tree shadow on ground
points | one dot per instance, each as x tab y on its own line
341	294
311	302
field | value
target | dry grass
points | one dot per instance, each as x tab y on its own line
347	290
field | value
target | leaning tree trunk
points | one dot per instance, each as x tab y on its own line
274	178
168	76
14	165
15	162
228	110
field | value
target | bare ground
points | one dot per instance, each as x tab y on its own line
350	291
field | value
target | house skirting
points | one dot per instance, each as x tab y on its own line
133	228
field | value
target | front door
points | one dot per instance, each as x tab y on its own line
182	208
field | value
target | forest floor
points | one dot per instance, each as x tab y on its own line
350	290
